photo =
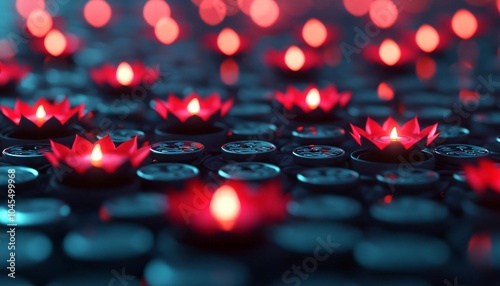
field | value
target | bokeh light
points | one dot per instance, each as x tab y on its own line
264	13
97	13
39	23
383	13
464	24
314	33
154	10
167	30
427	38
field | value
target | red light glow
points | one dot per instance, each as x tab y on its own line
264	12
464	24
383	13
154	10
427	38
39	23
97	13
167	30
314	33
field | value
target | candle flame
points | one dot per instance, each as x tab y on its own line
225	207
228	41
313	99
124	74
55	42
96	156
193	106
39	23
389	52
295	58
40	113
394	134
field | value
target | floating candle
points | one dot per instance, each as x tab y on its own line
193	111
409	137
313	102
43	115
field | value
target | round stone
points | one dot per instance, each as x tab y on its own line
108	242
253	130
167	172
209	272
452	134
122	135
409	180
329	178
249	171
402	253
177	151
409	211
249	150
459	154
325	207
35	212
26	155
136	206
318	155
32	248
302	237
318	134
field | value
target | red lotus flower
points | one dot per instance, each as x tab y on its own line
12	73
399	138
483	178
124	75
313	99
233	207
43	114
103	154
207	109
293	59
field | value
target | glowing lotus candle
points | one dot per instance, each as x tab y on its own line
97	161
11	73
125	75
293	60
43	117
234	207
313	102
193	111
393	138
193	118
